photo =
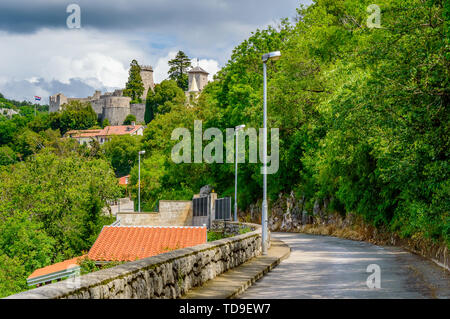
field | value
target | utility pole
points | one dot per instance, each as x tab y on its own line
266	57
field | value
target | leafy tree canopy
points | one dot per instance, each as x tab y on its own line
134	88
163	98
178	70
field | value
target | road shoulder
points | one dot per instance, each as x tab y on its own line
235	281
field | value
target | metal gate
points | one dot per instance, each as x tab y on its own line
223	208
200	206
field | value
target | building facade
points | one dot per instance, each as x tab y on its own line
105	134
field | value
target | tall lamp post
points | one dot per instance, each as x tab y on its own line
139	188
237	129
266	57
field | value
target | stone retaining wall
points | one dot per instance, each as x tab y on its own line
171	213
168	275
232	227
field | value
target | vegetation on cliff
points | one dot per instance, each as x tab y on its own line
362	112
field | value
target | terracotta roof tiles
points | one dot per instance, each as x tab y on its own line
63	265
127	243
107	131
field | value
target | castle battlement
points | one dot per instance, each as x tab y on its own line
111	105
146	68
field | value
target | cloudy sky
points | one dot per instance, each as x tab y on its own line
40	55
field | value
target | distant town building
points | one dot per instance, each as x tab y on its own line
105	134
8	112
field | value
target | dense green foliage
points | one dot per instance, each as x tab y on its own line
52	191
25	134
162	98
21	106
363	119
50	211
134	88
129	119
75	115
178	67
362	112
122	153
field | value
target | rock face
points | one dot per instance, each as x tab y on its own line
288	213
169	275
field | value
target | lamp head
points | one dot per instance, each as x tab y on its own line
275	55
141	152
240	127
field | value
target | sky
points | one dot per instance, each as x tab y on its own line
40	55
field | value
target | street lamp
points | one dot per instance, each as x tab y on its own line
266	57
237	129
139	188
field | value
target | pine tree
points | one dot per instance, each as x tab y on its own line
134	87
178	69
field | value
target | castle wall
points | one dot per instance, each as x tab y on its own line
55	102
111	105
98	106
138	110
115	115
116	101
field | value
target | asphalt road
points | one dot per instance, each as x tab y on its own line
329	267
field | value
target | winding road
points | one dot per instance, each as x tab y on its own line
329	267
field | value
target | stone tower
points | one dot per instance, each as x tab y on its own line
147	79
198	78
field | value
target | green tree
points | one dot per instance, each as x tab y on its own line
12	276
122	152
75	115
178	70
51	207
134	88
129	119
355	106
7	155
162	99
105	123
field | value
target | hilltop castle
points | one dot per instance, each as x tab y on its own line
115	107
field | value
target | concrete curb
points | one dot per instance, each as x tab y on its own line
235	281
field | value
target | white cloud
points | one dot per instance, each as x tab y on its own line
95	58
39	54
161	68
209	65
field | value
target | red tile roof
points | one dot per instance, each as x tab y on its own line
120	129
124	180
63	265
107	131
127	243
